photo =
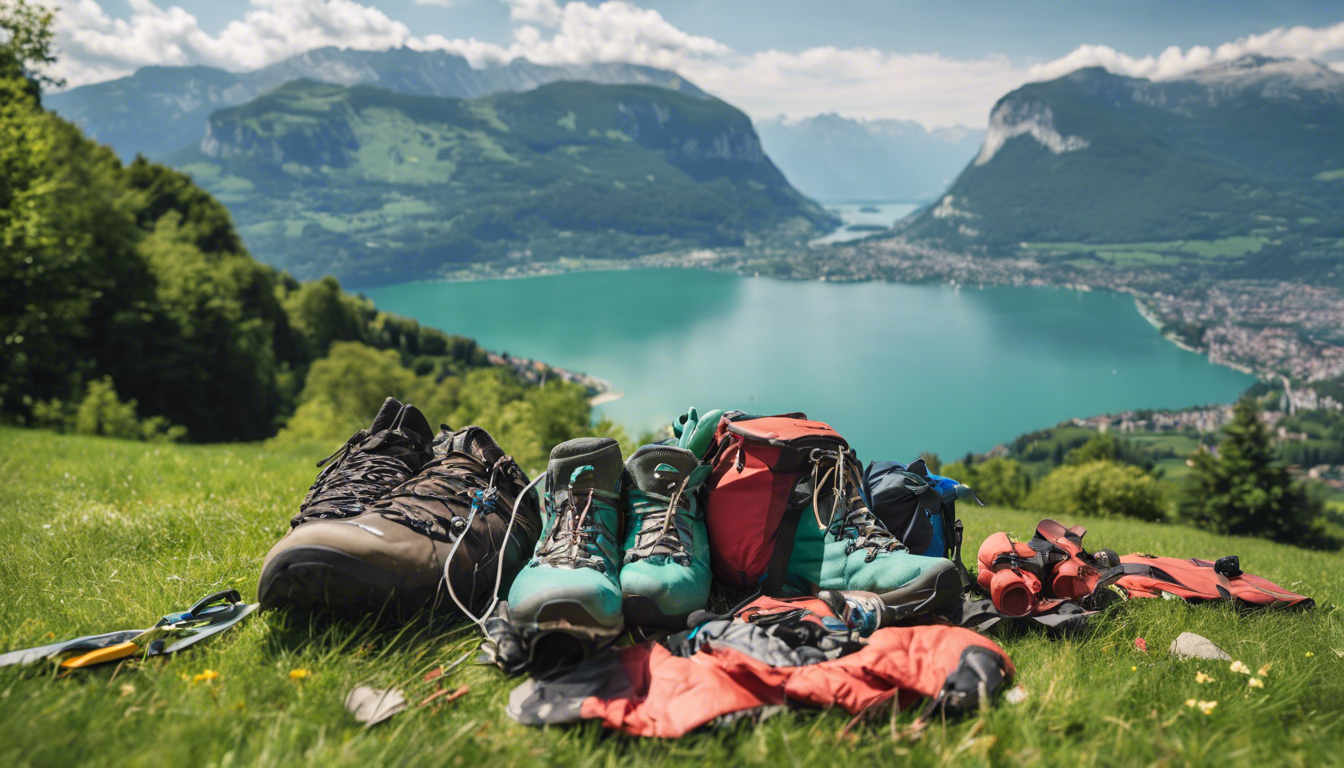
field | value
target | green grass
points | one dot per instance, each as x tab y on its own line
105	535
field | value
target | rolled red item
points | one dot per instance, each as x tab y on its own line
1015	593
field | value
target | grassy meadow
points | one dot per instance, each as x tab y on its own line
103	534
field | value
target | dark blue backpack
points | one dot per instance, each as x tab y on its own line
918	508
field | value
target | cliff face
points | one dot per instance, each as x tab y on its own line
1236	168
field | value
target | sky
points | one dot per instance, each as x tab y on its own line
939	63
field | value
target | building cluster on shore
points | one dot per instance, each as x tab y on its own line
537	372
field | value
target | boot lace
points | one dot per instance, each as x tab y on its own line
850	518
352	478
447	480
572	540
660	520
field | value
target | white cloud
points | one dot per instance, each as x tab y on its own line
864	83
96	46
614	31
1283	42
858	82
439	3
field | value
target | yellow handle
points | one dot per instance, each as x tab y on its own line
110	653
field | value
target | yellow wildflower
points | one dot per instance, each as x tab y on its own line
206	676
1133	669
1254	682
299	674
1263	671
1237	666
1200	677
1310	654
1203	706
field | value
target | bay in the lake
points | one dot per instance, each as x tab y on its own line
897	369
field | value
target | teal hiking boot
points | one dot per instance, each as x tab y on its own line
843	546
569	594
666	574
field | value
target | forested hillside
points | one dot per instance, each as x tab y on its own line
378	187
129	306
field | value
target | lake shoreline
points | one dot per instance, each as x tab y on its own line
699	260
663	340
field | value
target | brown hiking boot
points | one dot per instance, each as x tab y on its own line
371	463
391	559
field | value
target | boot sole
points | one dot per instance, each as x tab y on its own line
563	633
924	594
643	612
322	580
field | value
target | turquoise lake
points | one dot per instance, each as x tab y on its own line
897	369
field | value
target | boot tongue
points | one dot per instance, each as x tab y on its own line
386	415
571	460
661	469
412	421
473	441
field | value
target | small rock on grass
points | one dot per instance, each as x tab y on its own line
1191	646
372	706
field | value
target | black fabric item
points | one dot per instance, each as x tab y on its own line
903	500
560	700
976	681
979	614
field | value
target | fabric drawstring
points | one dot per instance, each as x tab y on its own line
339	451
837	492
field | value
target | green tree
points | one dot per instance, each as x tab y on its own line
1105	446
1098	489
998	480
1244	489
27	42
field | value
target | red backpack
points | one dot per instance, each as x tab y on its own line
765	468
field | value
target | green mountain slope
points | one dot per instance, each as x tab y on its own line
376	187
1234	171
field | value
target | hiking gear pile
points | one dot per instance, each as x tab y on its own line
397	510
849	583
769	653
1052	570
209	616
786	515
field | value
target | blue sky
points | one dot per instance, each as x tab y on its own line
941	63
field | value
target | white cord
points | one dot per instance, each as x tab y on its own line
499	572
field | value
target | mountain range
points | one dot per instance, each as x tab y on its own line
831	157
376	187
158	110
1234	170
